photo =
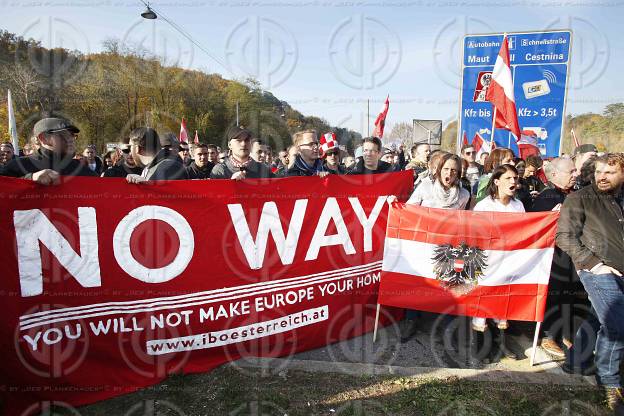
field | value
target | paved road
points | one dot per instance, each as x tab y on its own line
442	341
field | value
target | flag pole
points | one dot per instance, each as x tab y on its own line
12	124
576	142
535	337
376	323
368	118
493	127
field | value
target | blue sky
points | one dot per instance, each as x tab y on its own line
327	58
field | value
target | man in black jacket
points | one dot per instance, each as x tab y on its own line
591	231
51	160
370	162
561	174
200	167
124	166
156	155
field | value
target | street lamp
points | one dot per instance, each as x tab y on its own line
149	13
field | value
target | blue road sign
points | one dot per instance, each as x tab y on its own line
539	65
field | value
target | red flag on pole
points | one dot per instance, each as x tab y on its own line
465	140
527	145
481	145
501	93
380	121
183	132
196	140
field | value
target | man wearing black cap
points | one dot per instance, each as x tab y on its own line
239	165
51	160
156	156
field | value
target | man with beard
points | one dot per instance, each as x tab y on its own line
200	167
370	162
591	231
51	160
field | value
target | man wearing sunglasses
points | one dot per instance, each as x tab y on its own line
52	160
125	163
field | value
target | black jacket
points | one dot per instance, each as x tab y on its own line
166	166
195	172
527	185
563	276
341	169
591	229
360	169
121	170
25	166
548	198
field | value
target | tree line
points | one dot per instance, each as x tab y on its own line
108	94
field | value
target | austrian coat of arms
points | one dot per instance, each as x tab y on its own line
458	266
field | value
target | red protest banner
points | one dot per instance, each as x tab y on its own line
486	264
109	286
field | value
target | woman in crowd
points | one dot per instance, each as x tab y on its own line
501	197
446	190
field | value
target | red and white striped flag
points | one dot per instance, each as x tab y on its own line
196	140
380	121
486	264
481	145
183	132
501	93
527	145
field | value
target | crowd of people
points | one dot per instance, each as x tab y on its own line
586	187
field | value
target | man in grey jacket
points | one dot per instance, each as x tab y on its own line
156	156
591	231
239	165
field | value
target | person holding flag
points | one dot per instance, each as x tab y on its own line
501	197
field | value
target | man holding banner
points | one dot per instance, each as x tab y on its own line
591	231
53	159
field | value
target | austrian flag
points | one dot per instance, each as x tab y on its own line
486	264
501	92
